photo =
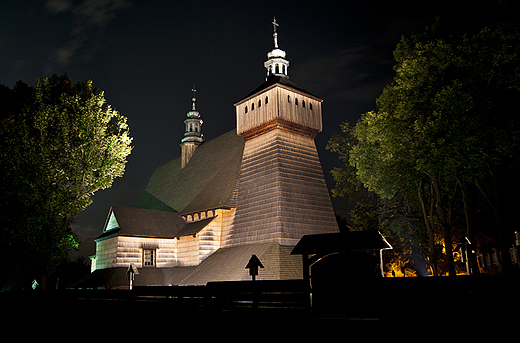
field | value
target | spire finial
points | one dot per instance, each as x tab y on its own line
276	63
275	34
193	99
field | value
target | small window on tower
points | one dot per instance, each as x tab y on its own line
296	101
288	98
246	109
260	103
266	100
310	106
303	103
253	106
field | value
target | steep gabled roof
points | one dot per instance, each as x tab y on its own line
207	181
140	222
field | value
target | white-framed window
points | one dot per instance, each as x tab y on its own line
148	258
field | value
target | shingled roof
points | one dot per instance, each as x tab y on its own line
229	264
140	222
273	80
207	182
339	242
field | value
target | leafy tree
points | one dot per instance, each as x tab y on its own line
60	143
446	124
395	218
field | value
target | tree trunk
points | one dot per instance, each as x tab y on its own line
445	226
431	234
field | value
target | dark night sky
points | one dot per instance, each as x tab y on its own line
146	56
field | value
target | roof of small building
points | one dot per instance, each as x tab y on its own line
206	182
340	242
140	222
193	228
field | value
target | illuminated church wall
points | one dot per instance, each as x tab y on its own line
282	194
259	187
283	104
121	251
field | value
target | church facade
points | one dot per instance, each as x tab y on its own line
254	190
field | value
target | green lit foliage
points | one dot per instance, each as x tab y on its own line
393	217
342	143
61	143
449	121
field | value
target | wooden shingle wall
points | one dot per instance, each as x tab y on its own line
226	218
282	193
190	250
283	104
106	251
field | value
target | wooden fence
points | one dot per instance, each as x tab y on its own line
286	295
387	299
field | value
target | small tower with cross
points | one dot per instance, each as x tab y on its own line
276	63
192	133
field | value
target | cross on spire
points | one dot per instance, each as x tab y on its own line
275	34
275	24
193	99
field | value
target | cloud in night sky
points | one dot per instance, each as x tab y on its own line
88	17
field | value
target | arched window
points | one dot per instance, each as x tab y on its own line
310	106
303	103
276	69
266	100
253	106
246	109
296	101
288	98
283	69
260	103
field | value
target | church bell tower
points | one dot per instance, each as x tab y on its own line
282	194
192	132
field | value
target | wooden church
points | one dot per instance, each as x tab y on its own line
257	189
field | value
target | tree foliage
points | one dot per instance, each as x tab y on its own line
60	143
450	120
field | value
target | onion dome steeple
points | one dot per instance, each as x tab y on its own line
192	132
276	63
